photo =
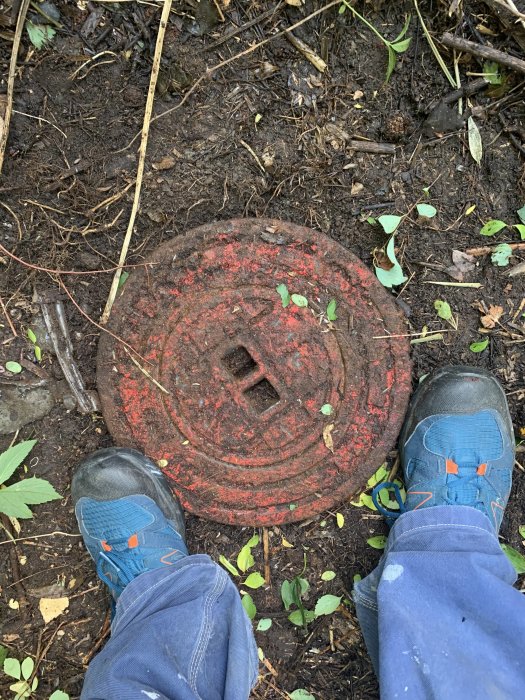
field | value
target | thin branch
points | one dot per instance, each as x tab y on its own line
11	79
142	158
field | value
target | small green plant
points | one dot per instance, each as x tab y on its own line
36	347
445	312
21	672
398	46
292	594
16	498
24	687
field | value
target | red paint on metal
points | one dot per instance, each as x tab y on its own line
241	428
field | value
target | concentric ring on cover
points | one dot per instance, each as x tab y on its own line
226	387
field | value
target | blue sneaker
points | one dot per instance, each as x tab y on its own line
457	444
129	518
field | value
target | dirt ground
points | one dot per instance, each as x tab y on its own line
66	194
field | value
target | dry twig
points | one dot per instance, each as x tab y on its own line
6	118
142	158
486	249
504	59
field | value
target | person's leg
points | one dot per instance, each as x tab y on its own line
439	615
179	631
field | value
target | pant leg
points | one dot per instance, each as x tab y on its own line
179	633
440	617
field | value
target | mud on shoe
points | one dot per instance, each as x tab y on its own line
457	444
129	518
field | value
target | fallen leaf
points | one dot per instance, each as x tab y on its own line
164	163
52	607
327	436
356	189
492	317
463	263
475	143
13	604
285	543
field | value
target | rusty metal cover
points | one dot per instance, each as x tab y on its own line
227	393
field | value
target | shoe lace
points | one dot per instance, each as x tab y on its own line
465	486
389	515
125	564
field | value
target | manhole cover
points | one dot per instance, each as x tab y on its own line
228	391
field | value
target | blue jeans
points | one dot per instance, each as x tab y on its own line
179	633
439	614
440	618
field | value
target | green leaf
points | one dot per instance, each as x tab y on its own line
38	353
404	30
364	500
296	617
516	558
59	695
245	558
426	210
12	668
13	506
292	506
479	345
394	276
22	690
501	255
492	72
443	309
13	457
327	409
3	655
475	143
228	565
299	300
521	230
287	594
31	336
33	491
391	62
401	46
377	542
282	291
13	367
27	668
342	9
340	518
389	222
264	624
330	310
328	575
39	34
122	279
357	578
521	530
253	541
377	477
249	606
301	694
303	585
521	214
492	227
255	580
370	220
327	604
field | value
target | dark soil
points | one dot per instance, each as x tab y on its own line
74	154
